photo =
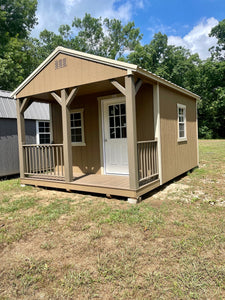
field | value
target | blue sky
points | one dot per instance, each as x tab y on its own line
186	22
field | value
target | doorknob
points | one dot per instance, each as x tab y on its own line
105	140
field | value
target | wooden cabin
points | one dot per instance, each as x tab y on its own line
116	129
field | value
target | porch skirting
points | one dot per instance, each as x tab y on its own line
93	183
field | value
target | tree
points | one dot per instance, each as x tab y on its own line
219	32
211	87
119	39
17	18
90	34
212	104
175	64
150	55
106	37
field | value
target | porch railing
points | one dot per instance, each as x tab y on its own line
44	160
147	161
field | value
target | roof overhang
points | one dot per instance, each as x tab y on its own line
165	82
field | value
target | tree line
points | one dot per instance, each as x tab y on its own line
20	54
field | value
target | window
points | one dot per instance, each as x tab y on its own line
43	132
117	121
77	128
181	116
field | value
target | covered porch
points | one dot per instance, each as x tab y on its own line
44	166
81	166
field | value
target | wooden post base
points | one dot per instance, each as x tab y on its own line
134	200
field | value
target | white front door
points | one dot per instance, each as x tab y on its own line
115	136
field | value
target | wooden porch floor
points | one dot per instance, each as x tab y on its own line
111	181
104	184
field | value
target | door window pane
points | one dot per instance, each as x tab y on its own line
124	132
112	133
117	121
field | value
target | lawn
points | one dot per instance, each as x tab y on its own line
59	245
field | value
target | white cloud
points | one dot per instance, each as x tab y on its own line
51	14
123	12
197	40
69	4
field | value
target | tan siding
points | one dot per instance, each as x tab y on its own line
177	157
77	72
57	123
144	110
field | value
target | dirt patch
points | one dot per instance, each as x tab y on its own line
171	189
168	192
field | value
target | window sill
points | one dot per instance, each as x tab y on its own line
182	140
78	144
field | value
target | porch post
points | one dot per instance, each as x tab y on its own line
67	148
131	131
21	135
157	130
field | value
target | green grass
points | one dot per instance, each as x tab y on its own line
13	185
56	245
22	203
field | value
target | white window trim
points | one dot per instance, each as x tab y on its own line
51	123
38	133
81	111
181	139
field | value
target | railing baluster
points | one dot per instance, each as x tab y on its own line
142	161
36	163
26	155
146	157
53	158
147	161
151	155
154	158
46	160
57	159
32	162
42	159
28	167
39	160
32	153
61	160
50	159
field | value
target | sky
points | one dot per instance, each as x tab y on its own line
186	22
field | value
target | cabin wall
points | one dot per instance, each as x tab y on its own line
9	157
144	113
177	157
